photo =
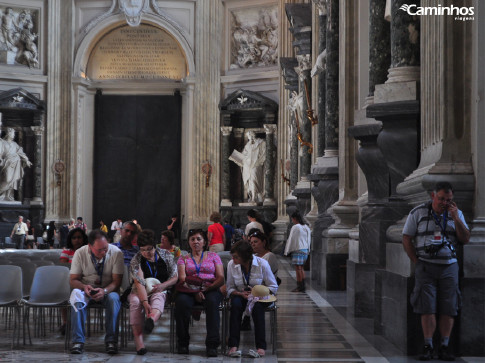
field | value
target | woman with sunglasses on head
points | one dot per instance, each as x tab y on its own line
145	299
243	272
201	274
259	243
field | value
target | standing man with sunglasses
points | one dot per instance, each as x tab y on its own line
436	227
96	274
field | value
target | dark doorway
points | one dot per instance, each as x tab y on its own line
137	159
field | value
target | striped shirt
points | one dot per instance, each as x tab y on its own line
427	229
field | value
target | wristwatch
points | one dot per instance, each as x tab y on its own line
106	291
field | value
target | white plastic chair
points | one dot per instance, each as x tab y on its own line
11	294
50	289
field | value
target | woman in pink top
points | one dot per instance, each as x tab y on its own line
216	233
205	268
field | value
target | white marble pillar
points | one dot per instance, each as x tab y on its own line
58	200
206	124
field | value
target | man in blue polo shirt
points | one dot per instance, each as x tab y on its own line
128	233
436	227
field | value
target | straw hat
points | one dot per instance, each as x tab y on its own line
263	293
150	282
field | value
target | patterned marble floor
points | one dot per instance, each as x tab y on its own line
312	327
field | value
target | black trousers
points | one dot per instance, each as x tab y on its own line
238	305
183	309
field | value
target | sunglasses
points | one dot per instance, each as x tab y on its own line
257	234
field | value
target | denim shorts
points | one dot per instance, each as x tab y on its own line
436	289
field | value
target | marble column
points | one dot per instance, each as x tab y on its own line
225	166
379	45
405	45
269	164
37	165
294	147
305	124
332	79
321	92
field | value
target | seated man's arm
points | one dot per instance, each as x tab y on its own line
115	284
76	283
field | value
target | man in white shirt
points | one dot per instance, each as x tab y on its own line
19	232
96	274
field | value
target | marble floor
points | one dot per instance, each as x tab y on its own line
312	327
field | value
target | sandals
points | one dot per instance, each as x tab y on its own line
256	354
234	353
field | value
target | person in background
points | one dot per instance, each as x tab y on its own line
147	302
51	233
167	242
253	223
260	244
128	234
103	227
174	225
81	224
216	233
72	224
229	232
30	236
238	234
63	232
116	227
298	245
75	240
19	231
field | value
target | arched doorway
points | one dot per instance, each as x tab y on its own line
135	102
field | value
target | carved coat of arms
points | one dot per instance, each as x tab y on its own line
133	10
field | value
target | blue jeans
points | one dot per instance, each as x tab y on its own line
238	305
112	304
183	308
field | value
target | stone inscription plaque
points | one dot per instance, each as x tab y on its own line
143	52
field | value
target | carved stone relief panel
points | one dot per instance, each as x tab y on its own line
253	37
19	36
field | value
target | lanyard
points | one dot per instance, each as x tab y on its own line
438	222
99	267
197	267
247	276
155	266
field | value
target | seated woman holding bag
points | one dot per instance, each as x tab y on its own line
201	273
153	271
243	273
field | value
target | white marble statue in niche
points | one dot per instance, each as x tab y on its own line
254	41
12	163
251	160
18	38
